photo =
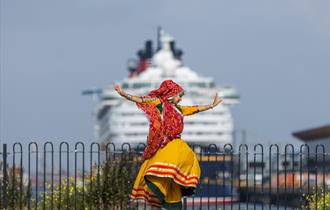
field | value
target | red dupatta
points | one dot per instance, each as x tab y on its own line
164	126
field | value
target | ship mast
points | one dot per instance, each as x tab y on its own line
159	30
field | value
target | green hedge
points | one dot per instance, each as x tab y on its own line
319	200
108	189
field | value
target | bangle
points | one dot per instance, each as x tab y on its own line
129	96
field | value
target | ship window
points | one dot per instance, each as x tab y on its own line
103	112
139	123
109	98
194	94
125	85
127	114
141	85
199	123
198	84
203	133
135	134
130	113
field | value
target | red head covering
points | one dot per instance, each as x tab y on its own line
164	126
167	89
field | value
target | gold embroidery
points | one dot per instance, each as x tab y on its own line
171	176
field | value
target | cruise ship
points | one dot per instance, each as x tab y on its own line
120	121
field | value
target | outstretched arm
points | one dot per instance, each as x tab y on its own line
190	110
215	103
122	93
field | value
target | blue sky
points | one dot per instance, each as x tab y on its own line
276	53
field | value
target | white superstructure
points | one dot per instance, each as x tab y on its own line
119	120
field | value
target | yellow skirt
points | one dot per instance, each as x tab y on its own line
163	177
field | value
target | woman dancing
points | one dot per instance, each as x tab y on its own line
170	168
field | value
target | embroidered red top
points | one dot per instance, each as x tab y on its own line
165	119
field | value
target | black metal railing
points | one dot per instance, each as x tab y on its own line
99	176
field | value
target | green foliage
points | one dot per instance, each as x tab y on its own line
107	189
17	190
107	186
319	200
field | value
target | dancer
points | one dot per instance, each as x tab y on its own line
170	168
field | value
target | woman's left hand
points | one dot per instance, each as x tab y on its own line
217	100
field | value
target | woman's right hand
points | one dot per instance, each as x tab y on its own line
122	93
118	89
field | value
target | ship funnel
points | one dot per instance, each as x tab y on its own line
145	56
172	47
177	53
148	49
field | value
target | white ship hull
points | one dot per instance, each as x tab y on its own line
120	121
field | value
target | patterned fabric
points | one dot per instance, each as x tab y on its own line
184	110
187	110
166	126
171	176
170	168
